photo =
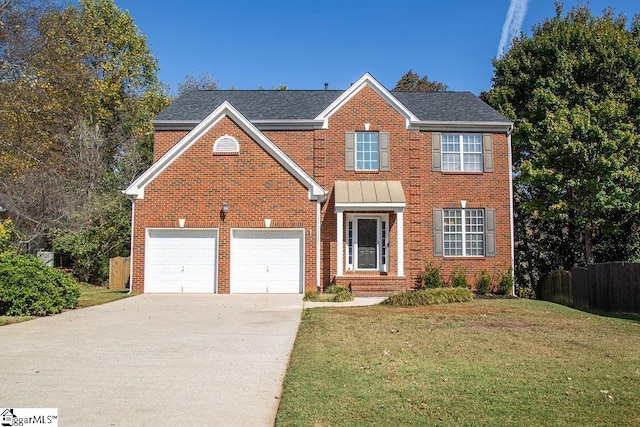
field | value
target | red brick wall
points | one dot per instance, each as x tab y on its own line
410	163
198	182
164	140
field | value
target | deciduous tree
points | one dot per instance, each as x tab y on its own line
573	90
413	82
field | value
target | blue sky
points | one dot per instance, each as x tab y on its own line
247	44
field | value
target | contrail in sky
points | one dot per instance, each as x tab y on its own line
512	24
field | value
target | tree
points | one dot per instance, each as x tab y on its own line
412	82
573	91
79	89
192	83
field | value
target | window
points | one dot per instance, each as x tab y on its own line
462	152
463	232
367	153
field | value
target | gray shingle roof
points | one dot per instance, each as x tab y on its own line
307	104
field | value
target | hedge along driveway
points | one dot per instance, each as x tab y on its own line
154	360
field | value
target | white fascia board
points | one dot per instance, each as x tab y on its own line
364	81
225	109
293	124
174	124
369	207
459	126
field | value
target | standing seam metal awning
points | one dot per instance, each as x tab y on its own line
369	195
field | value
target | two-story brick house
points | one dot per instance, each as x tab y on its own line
289	191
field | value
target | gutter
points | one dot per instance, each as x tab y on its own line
511	221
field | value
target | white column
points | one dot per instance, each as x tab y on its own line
339	242
400	227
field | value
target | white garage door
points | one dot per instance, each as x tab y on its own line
181	260
266	261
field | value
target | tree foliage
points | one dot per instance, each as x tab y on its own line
80	88
413	82
192	83
573	91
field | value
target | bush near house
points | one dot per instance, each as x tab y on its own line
430	296
483	282
431	277
459	277
30	288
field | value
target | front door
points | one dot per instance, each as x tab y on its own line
367	243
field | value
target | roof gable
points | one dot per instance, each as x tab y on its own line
136	189
366	80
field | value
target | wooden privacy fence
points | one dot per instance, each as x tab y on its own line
612	286
119	269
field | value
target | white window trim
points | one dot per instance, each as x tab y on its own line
461	152
382	264
465	233
356	168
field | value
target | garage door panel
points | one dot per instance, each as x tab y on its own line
181	260
266	261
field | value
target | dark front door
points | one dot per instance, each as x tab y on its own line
367	247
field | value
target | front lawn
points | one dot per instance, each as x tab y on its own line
89	295
486	362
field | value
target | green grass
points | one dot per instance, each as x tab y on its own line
486	362
89	295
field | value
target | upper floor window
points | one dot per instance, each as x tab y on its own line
461	152
367	154
367	151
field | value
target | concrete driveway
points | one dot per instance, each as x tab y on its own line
154	360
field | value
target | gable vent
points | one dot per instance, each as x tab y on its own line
226	144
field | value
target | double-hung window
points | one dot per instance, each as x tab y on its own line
367	151
463	232
461	152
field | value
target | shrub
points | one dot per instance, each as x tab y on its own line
459	277
430	296
483	282
431	277
335	289
343	295
505	282
30	288
333	293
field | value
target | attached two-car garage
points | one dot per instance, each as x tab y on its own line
185	260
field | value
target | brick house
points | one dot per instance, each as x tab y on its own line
290	191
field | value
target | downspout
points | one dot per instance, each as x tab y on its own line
133	219
511	221
318	244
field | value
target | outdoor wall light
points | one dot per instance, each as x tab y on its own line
225	208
